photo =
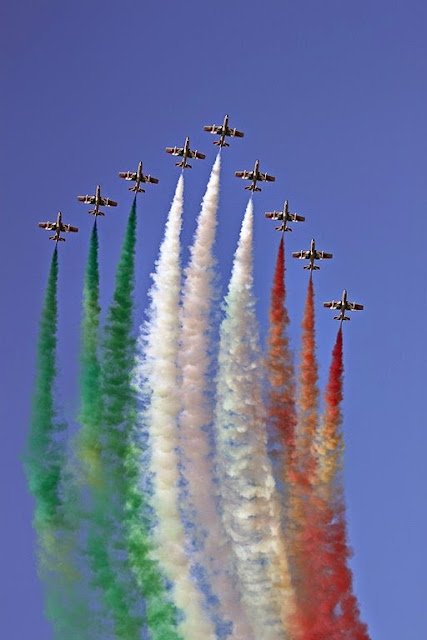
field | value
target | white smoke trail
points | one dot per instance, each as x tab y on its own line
211	550
160	372
250	507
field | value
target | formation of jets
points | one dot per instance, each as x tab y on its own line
254	176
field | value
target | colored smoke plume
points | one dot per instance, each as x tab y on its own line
50	482
160	388
281	411
208	542
250	509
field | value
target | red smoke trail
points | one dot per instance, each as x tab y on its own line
308	399
330	444
343	606
302	528
328	609
281	411
279	364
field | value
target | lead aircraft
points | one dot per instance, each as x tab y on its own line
223	131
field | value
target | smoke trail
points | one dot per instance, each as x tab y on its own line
250	509
330	443
281	387
303	532
159	370
50	483
308	397
204	524
123	514
89	452
107	410
89	445
343	607
327	606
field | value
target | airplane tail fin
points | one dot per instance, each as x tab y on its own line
312	268
183	164
137	189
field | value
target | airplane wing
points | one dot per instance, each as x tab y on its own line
246	175
68	227
321	255
175	151
265	177
235	133
196	154
274	215
213	128
87	199
106	202
333	305
51	226
352	306
150	179
301	254
296	218
128	175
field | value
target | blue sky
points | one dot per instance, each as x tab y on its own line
332	98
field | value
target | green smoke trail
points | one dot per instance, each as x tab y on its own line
88	453
90	370
122	454
50	482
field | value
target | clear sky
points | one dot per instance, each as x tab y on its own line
332	98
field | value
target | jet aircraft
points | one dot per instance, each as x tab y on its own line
342	306
223	131
254	175
57	226
137	177
186	153
312	254
98	201
285	217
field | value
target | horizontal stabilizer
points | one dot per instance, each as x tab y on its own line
251	188
137	189
218	143
339	318
97	213
312	268
57	239
184	165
